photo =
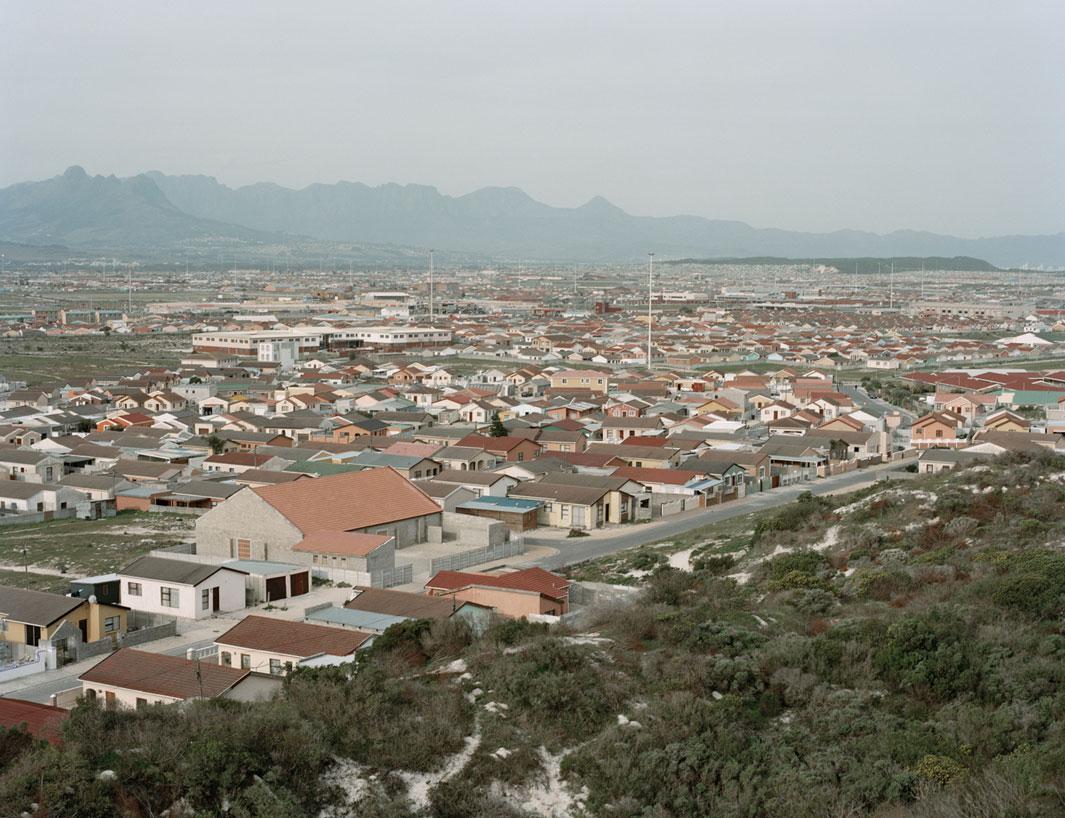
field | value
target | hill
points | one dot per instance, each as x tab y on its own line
861	266
154	210
506	221
895	653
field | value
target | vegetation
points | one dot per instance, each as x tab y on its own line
895	653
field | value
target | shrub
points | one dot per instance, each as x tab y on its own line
938	769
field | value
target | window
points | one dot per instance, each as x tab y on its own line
275	667
205	599
168	597
245	661
141	703
244	549
133	588
112	624
227	658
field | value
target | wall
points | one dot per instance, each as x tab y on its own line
260	659
471	530
246	516
124	697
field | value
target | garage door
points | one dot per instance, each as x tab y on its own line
275	589
300	584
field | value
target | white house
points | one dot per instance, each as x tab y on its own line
189	590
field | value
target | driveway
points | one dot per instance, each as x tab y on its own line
610	541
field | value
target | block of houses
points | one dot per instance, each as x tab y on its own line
466	458
654	457
573	500
532	591
277	646
30	616
266	522
136	678
239	462
188	590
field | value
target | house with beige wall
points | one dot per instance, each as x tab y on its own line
277	646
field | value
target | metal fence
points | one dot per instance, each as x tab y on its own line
464	559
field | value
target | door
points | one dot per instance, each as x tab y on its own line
275	589
299	584
216	604
109	699
83	626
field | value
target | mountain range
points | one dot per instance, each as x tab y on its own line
154	212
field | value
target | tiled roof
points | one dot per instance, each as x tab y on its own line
400	603
292	638
40	720
164	570
536	580
350	501
341	543
163	675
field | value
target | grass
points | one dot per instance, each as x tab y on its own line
50	361
34	582
86	547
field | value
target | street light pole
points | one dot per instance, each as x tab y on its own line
650	280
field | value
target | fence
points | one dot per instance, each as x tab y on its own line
208	652
24	667
464	559
400	575
149	634
36	516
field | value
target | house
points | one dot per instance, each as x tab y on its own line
580	380
481	483
938	430
30	466
188	590
347	551
376	609
532	591
18	497
239	462
618	429
30	616
136	678
654	457
933	461
510	449
42	721
517	513
466	458
277	646
267	521
1006	421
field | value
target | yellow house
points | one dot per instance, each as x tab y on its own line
27	617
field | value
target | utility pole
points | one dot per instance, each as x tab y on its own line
432	308
891	286
130	308
650	280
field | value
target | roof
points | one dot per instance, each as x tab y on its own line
40	720
346	502
560	492
163	675
471	477
35	607
536	580
342	543
513	505
178	571
400	603
292	638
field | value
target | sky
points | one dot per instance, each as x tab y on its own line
939	115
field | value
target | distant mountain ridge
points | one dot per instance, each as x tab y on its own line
502	222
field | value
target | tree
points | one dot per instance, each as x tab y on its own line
498	429
216	443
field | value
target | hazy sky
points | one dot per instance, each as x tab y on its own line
943	115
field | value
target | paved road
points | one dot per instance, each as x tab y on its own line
588	548
875	406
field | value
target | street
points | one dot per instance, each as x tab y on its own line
572	551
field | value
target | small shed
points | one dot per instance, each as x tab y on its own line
518	514
106	588
272	581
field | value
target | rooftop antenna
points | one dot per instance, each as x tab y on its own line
432	310
650	279
351	282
